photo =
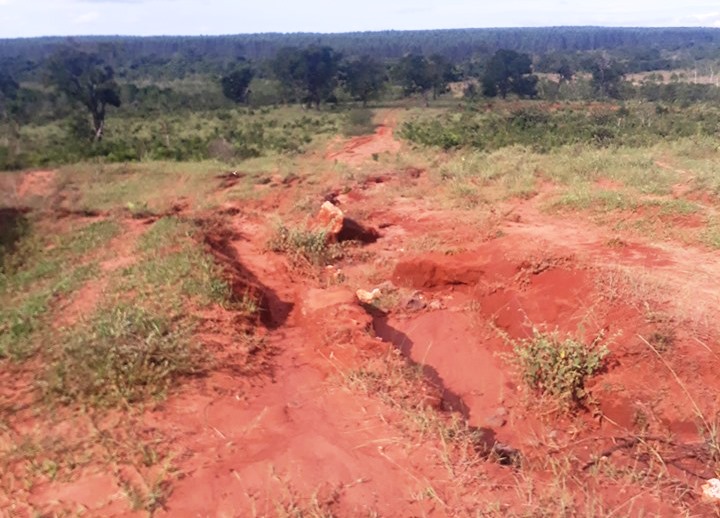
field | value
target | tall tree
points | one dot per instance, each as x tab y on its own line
415	75
236	83
509	72
287	67
321	66
310	74
8	92
565	71
607	77
85	80
364	78
442	72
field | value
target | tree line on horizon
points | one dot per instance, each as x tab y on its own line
310	76
76	82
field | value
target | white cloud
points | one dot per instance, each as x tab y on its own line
705	19
87	18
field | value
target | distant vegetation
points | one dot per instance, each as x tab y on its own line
128	99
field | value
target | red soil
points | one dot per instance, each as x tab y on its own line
359	149
36	183
290	430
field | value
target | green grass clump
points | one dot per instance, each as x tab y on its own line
584	197
557	366
310	246
358	121
125	354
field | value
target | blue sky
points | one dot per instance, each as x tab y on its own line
21	18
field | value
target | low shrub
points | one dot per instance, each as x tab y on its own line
310	246
558	366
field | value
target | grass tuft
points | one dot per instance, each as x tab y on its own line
125	354
309	246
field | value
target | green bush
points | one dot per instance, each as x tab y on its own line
358	122
558	366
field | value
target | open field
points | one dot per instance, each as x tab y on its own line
540	336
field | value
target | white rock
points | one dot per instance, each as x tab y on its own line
711	490
368	297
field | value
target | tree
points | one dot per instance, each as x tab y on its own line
607	77
321	66
509	72
85	80
236	84
565	72
310	74
8	92
287	67
364	78
441	72
415	75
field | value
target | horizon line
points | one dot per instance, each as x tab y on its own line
377	31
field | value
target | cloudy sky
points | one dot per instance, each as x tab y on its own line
20	18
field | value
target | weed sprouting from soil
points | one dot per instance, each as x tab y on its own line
559	366
305	246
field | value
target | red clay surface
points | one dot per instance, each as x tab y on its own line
289	436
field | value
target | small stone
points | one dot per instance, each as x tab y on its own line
387	287
711	490
415	302
498	419
435	305
368	297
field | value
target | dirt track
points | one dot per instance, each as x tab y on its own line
299	438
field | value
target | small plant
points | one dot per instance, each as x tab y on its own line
662	339
138	210
359	122
305	245
559	366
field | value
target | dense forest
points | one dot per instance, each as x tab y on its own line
56	93
171	56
